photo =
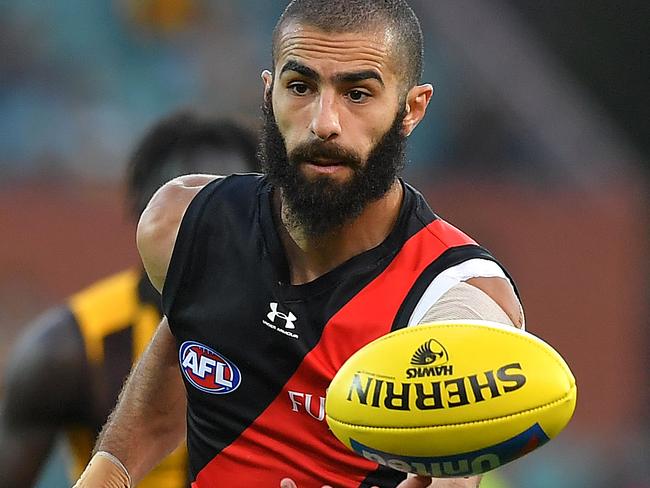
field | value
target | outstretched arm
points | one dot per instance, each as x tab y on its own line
46	388
478	298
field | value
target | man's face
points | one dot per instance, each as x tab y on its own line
333	138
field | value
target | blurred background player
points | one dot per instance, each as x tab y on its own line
68	368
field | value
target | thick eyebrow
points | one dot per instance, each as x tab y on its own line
357	76
353	77
305	71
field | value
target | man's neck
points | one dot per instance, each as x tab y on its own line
310	257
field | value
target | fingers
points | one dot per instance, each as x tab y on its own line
289	483
416	482
410	482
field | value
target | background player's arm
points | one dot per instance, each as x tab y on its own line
46	389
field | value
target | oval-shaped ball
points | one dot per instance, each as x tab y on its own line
451	398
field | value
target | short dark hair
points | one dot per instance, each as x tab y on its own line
167	151
359	16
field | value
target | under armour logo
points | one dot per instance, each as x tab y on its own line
289	319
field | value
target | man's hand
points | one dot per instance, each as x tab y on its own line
289	483
415	482
471	482
418	482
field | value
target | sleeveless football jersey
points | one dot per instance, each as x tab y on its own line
257	353
117	317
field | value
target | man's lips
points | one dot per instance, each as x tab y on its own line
325	166
325	162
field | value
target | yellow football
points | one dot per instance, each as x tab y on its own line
451	399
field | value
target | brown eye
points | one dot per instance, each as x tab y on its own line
358	96
299	89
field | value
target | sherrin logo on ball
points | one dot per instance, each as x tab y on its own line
450	398
208	370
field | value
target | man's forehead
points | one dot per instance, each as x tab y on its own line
370	48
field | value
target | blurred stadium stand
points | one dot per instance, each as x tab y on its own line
536	143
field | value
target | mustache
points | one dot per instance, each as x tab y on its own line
315	150
307	151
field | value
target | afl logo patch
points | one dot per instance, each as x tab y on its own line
208	370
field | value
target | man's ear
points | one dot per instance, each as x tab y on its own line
267	77
417	100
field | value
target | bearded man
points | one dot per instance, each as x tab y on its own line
272	282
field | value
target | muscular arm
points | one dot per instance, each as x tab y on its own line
478	298
499	290
46	388
149	419
160	222
490	299
487	299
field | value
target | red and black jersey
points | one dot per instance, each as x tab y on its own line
257	353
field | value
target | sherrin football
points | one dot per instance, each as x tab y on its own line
450	399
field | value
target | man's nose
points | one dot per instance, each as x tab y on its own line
325	122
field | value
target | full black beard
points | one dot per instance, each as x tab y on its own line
321	205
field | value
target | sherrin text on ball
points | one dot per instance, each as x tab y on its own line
451	398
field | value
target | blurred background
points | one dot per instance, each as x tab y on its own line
536	144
